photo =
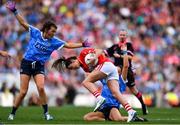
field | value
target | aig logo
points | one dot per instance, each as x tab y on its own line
41	46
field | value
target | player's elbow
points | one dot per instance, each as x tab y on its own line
126	66
25	25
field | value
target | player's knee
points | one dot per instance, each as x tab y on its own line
23	93
86	118
114	93
84	84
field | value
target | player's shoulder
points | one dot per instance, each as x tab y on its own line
87	50
33	28
114	46
58	39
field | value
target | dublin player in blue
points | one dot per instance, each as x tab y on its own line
110	109
41	44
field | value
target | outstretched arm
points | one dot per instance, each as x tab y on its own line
73	45
11	5
85	43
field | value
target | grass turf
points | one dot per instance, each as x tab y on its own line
74	115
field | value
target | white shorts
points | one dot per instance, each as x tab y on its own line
110	70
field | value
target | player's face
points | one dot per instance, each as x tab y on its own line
122	35
74	65
51	32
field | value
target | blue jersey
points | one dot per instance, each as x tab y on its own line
40	49
106	93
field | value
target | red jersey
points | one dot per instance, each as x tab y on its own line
84	52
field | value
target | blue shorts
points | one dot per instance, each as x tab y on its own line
106	111
31	67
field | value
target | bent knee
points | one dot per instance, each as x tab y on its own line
23	93
115	93
86	118
85	83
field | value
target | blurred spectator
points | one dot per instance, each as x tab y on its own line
14	90
33	100
6	98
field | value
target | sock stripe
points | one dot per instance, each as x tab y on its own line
127	107
138	95
96	93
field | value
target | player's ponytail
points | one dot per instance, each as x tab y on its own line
63	63
59	64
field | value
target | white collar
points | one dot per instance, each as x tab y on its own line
43	37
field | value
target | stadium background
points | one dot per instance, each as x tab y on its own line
153	27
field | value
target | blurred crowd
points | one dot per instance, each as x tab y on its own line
153	29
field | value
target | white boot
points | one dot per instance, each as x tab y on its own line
100	100
131	115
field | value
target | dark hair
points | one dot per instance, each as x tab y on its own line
123	30
47	25
62	63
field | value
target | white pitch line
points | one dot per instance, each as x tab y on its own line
159	119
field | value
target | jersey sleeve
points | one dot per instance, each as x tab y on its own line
124	81
109	51
33	31
130	50
60	43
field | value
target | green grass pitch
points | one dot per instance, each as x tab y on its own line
74	115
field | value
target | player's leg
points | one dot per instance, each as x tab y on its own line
89	84
94	116
114	87
115	115
24	83
39	80
112	78
138	94
134	90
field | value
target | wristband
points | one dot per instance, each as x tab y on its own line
15	12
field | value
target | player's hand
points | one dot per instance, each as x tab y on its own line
117	55
86	43
11	5
124	47
5	54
